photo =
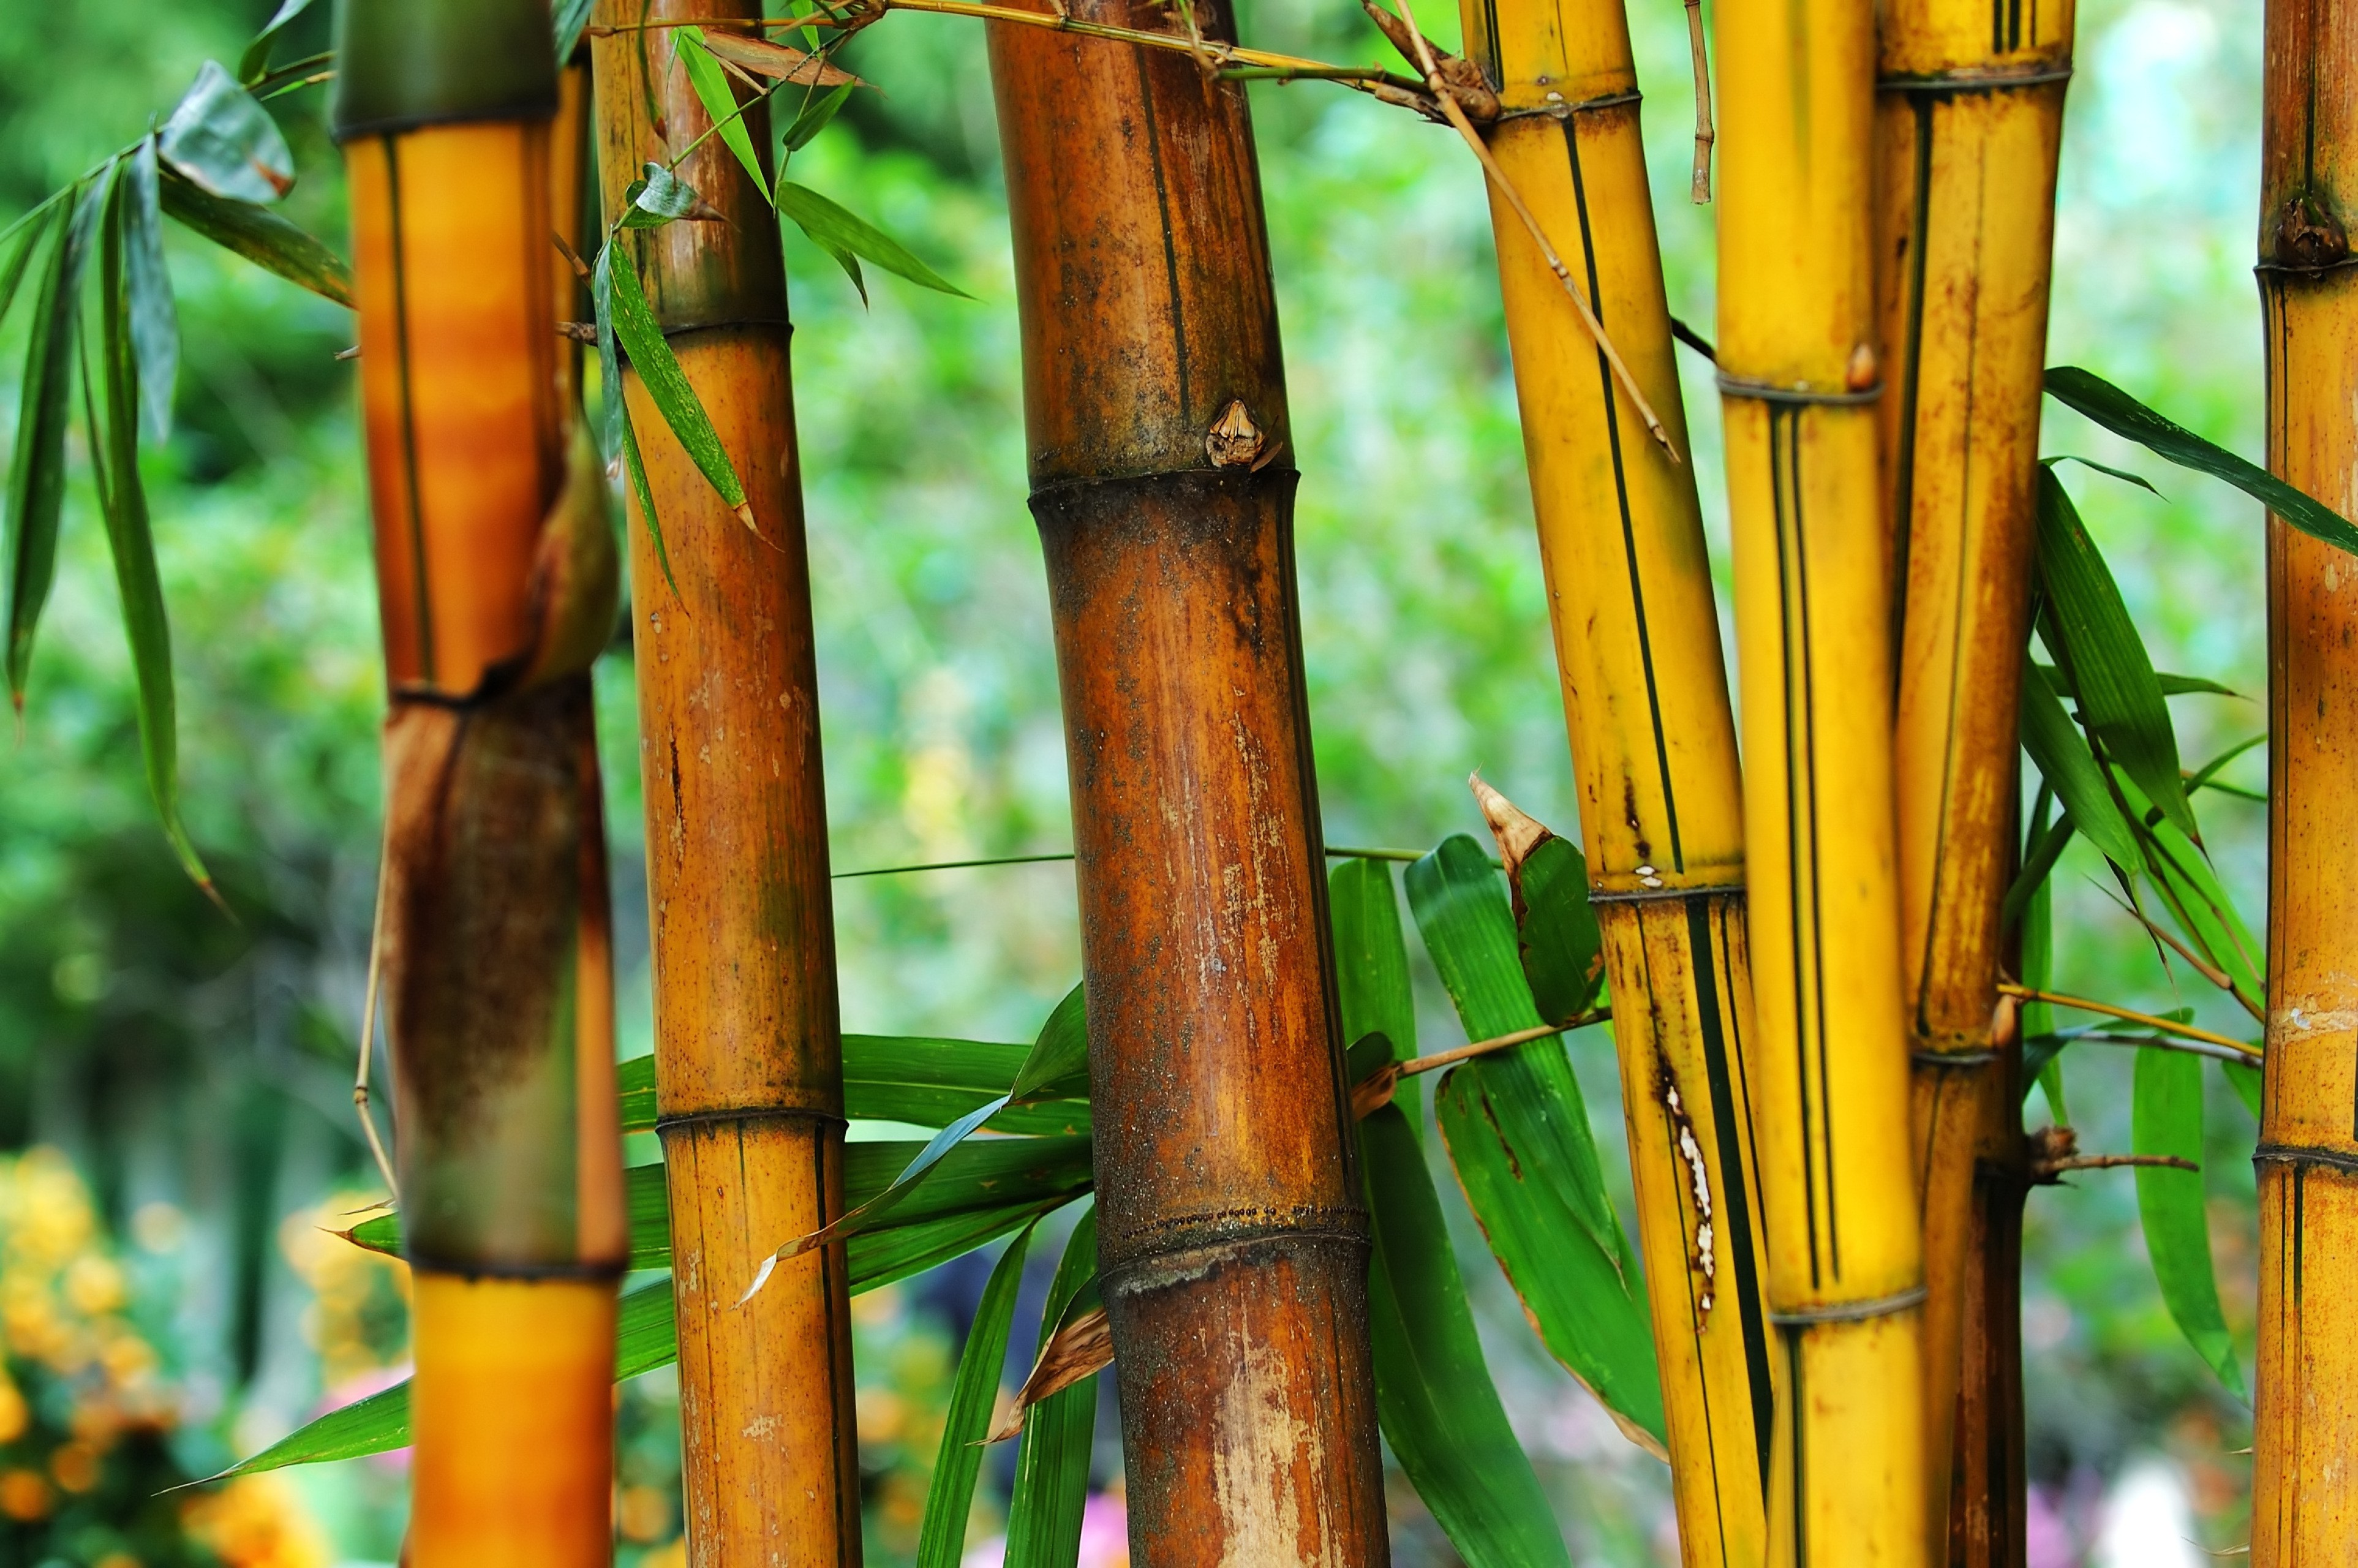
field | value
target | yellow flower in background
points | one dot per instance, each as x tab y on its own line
95	1285
15	1415
256	1521
358	1320
24	1496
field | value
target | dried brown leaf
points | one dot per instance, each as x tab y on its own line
1082	1348
776	61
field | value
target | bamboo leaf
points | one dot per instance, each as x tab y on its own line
614	408
2036	1021
1058	1063
836	231
1080	1345
258	234
762	58
881	1257
1435	1398
255	63
660	197
2064	761
1518	1133
941	1538
2243	1077
124	501
2196	902
2103	658
29	232
1371	958
815	117
2193	686
1052	1472
635	330
155	324
37	476
226	141
2124	416
712	90
2167	1117
2122	474
567	18
925	1081
1562	951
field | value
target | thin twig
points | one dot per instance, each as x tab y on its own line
1416	1065
2108	1161
368	1021
2164	1025
1438	85
1699	189
2095	1036
2201	966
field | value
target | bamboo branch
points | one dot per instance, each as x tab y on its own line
2044	1171
1377	1089
2164	1025
1446	96
1699	189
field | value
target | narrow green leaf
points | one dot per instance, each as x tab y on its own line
1434	1398
2243	1077
1518	1133
37	476
2101	657
155	324
1052	1472
123	500
925	1081
1562	951
2124	416
1370	957
640	337
894	1252
1057	1066
567	18
226	141
258	234
719	101
255	63
2122	474
2167	1117
660	197
949	1498
2038	1018
2064	761
2191	686
2205	914
817	114
28	238
614	407
833	230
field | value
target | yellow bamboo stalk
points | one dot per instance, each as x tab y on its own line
1799	378
2304	1488
1653	739
1968	119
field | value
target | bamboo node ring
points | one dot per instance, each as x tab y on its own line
2288	1154
1664	894
1770	392
1850	1312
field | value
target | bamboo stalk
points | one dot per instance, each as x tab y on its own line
749	1078
1233	1242
2304	1492
1968	120
1652	738
492	552
1799	378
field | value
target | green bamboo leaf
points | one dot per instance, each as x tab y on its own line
1371	958
719	101
2064	761
1057	1066
949	1498
123	502
2243	1077
2167	1117
155	324
2038	1018
37	478
1516	1131
660	197
614	407
2122	474
815	117
258	234
1562	951
567	18
1435	1398
1052	1472
226	141
255	63
2101	657
834	229
2179	871
879	1257
2191	686
925	1081
27	234
635	330
2124	416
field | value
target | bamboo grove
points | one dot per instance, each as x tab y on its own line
1827	972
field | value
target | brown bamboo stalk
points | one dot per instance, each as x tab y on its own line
749	1079
1968	121
1232	1240
493	554
2304	1488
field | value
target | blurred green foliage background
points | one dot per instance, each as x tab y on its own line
191	1066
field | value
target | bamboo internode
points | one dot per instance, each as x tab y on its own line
1233	1242
1968	121
2304	1491
1653	737
492	552
749	1078
1801	376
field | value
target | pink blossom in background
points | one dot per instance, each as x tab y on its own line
1105	1538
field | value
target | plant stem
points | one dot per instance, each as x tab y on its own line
2145	1020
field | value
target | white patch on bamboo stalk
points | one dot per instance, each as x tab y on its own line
1705	1259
